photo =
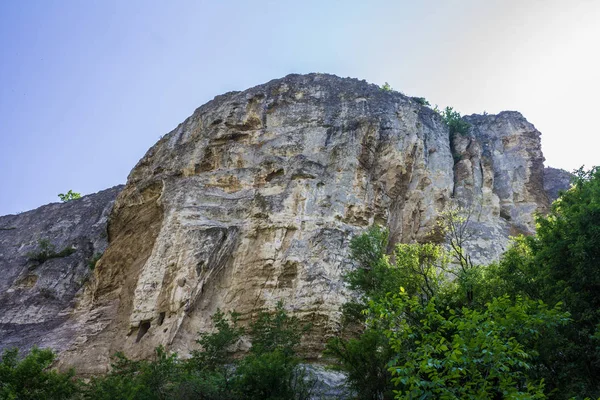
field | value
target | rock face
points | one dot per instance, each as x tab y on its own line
499	175
556	180
254	199
36	299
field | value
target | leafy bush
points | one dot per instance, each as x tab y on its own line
271	370
70	195
46	251
155	379
467	353
272	375
454	121
561	264
31	378
483	354
386	87
211	370
217	347
276	331
365	360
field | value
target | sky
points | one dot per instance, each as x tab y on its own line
86	87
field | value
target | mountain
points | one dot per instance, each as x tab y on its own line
252	200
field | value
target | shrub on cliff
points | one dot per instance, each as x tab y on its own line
421	100
46	251
454	121
386	87
70	195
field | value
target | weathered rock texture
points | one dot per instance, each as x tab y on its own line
36	300
556	180
254	198
499	176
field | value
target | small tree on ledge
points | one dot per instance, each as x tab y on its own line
70	195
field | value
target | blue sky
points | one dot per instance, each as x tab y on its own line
86	87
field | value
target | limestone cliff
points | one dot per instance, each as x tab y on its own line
499	173
254	198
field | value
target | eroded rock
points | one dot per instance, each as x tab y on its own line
37	298
254	199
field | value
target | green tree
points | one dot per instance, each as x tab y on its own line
217	348
365	359
155	379
70	195
31	378
464	354
386	87
423	322
271	371
418	267
454	121
561	263
211	368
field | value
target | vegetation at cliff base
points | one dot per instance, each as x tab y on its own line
31	378
527	327
270	370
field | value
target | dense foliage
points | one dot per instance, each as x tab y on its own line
441	352
562	264
454	121
70	195
435	325
30	378
424	335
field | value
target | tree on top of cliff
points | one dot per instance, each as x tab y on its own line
70	195
454	120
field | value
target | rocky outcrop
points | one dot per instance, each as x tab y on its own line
499	176
37	298
555	181
254	198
